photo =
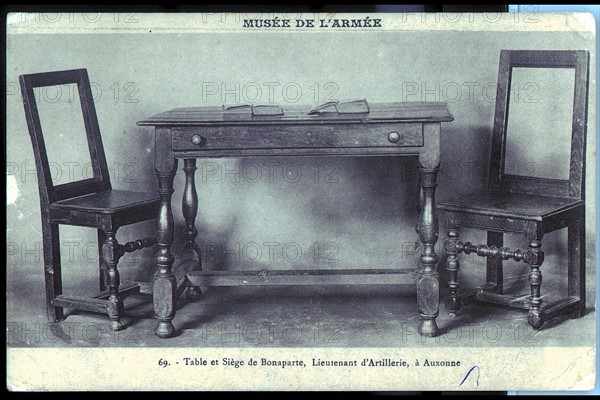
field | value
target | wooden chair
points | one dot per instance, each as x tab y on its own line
532	206
89	202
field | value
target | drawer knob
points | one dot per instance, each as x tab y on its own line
394	137
197	139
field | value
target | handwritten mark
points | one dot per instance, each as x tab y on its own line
469	373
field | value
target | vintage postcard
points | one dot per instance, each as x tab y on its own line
301	201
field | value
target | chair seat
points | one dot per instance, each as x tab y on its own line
510	205
108	202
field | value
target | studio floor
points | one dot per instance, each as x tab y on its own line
290	316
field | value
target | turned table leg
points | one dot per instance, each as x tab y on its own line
165	286
428	286
189	206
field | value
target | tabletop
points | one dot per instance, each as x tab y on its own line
378	112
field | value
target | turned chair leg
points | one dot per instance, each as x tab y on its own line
535	258
110	252
576	266
103	276
453	302
52	270
494	271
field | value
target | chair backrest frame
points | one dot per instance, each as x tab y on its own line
574	187
50	193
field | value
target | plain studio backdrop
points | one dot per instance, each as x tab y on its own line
261	213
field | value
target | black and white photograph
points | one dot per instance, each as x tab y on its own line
301	201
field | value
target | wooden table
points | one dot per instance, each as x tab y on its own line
391	129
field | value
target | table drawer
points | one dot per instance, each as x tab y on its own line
191	138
